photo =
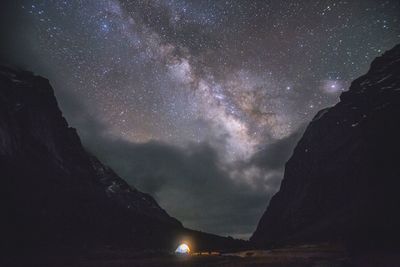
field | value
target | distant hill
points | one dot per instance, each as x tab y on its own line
342	182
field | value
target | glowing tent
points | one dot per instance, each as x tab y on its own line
183	249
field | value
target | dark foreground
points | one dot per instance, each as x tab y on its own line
301	256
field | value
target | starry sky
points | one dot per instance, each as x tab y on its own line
199	103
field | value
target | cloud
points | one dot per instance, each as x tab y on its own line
192	183
187	182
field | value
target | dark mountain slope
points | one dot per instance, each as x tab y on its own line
342	182
54	193
54	190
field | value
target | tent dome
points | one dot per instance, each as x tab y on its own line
183	249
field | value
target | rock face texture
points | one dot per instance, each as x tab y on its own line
56	193
342	182
54	190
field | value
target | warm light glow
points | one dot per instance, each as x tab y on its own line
183	249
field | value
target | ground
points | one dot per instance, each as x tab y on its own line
295	256
299	256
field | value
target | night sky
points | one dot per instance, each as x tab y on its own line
198	103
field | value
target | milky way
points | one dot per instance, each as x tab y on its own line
236	77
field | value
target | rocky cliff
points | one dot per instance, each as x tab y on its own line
342	181
54	193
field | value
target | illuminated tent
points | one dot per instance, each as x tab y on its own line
183	249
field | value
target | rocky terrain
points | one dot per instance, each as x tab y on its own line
341	183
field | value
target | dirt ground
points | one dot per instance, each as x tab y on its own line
303	256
